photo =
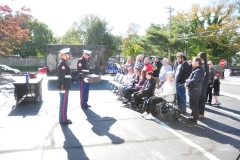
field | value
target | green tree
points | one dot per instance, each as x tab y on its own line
131	43
71	37
94	30
211	29
39	36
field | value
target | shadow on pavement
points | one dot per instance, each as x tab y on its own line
4	81
223	114
72	145
101	126
212	130
103	85
228	109
26	109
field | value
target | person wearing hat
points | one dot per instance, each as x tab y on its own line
83	70
64	82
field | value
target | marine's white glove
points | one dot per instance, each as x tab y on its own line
86	80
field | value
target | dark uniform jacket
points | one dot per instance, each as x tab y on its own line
196	78
156	72
184	73
64	77
83	68
149	87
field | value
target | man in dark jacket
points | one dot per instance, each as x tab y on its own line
156	69
194	86
202	100
146	91
182	73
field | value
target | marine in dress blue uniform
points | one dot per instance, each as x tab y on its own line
83	70
64	82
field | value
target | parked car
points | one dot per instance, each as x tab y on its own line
111	68
7	69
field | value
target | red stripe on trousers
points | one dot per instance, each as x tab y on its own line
81	94
64	106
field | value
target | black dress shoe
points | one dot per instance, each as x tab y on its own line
88	106
84	107
67	122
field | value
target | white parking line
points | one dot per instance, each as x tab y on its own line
236	115
230	95
188	141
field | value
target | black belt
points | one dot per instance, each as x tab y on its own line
196	88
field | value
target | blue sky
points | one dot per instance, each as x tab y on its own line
59	15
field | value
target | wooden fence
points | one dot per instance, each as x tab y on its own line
16	61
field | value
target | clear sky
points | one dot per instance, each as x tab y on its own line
59	15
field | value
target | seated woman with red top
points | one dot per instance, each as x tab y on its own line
147	65
137	87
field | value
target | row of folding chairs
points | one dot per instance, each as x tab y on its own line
116	82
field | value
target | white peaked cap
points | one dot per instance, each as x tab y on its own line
65	50
87	52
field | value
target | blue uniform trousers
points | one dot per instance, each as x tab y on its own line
63	106
84	92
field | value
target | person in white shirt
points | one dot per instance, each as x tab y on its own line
164	69
166	92
126	82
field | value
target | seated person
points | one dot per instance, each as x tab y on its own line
146	90
135	80
166	92
137	87
126	82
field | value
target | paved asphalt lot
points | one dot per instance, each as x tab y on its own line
110	131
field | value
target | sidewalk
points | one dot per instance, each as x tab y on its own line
231	80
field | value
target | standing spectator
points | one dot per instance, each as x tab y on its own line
216	89
202	100
139	62
164	69
129	63
176	62
156	69
182	73
147	65
212	73
194	86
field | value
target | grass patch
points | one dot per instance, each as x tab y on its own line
27	68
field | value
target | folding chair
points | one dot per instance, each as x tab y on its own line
114	80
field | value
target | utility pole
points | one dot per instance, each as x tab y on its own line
170	9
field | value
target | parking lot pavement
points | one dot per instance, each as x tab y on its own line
108	130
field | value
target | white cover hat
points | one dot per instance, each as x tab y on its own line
87	52
65	50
